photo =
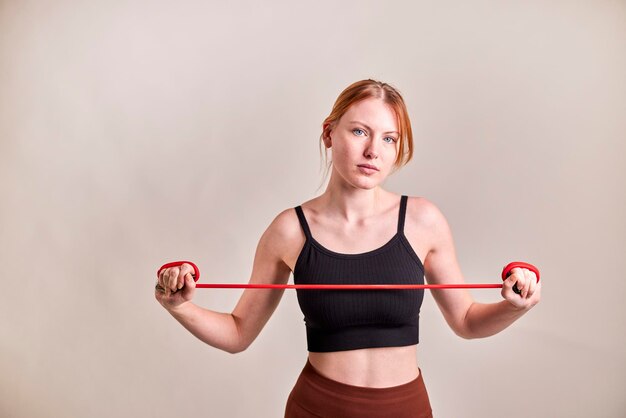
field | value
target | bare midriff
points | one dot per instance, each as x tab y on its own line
371	367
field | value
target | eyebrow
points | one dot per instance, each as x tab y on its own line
361	123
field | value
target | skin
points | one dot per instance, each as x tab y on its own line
354	215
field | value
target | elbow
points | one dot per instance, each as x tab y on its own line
463	329
239	343
234	350
237	348
464	333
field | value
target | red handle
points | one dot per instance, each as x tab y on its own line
195	275
506	271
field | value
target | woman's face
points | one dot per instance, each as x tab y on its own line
367	134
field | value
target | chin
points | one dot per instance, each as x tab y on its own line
361	181
366	184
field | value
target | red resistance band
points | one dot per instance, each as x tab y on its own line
506	272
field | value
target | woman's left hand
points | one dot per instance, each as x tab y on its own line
530	290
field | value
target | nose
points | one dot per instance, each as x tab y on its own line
371	151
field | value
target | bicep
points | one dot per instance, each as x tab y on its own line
441	267
256	306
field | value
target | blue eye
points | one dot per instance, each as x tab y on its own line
357	130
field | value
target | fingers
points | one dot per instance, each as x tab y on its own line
532	283
168	281
522	283
172	279
185	270
161	280
525	280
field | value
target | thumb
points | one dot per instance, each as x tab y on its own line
190	287
189	281
511	281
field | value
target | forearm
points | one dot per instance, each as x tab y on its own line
217	329
486	319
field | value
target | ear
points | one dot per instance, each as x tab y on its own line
326	135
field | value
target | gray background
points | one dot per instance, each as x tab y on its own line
137	133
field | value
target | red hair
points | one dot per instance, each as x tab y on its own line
366	89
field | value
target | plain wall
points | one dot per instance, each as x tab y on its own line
133	133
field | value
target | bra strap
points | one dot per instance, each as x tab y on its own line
402	214
303	222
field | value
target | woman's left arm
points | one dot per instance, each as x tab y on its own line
467	318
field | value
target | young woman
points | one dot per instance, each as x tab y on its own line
362	344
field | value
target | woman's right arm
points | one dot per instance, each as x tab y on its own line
232	332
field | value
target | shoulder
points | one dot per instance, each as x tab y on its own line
283	235
285	225
426	221
423	211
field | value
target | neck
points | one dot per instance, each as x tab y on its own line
352	204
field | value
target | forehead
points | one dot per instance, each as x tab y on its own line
374	112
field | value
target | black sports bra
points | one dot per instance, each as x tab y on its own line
339	320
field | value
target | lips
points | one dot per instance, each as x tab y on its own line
368	166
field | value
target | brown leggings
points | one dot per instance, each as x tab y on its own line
315	395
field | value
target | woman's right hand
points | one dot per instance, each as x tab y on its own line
175	286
